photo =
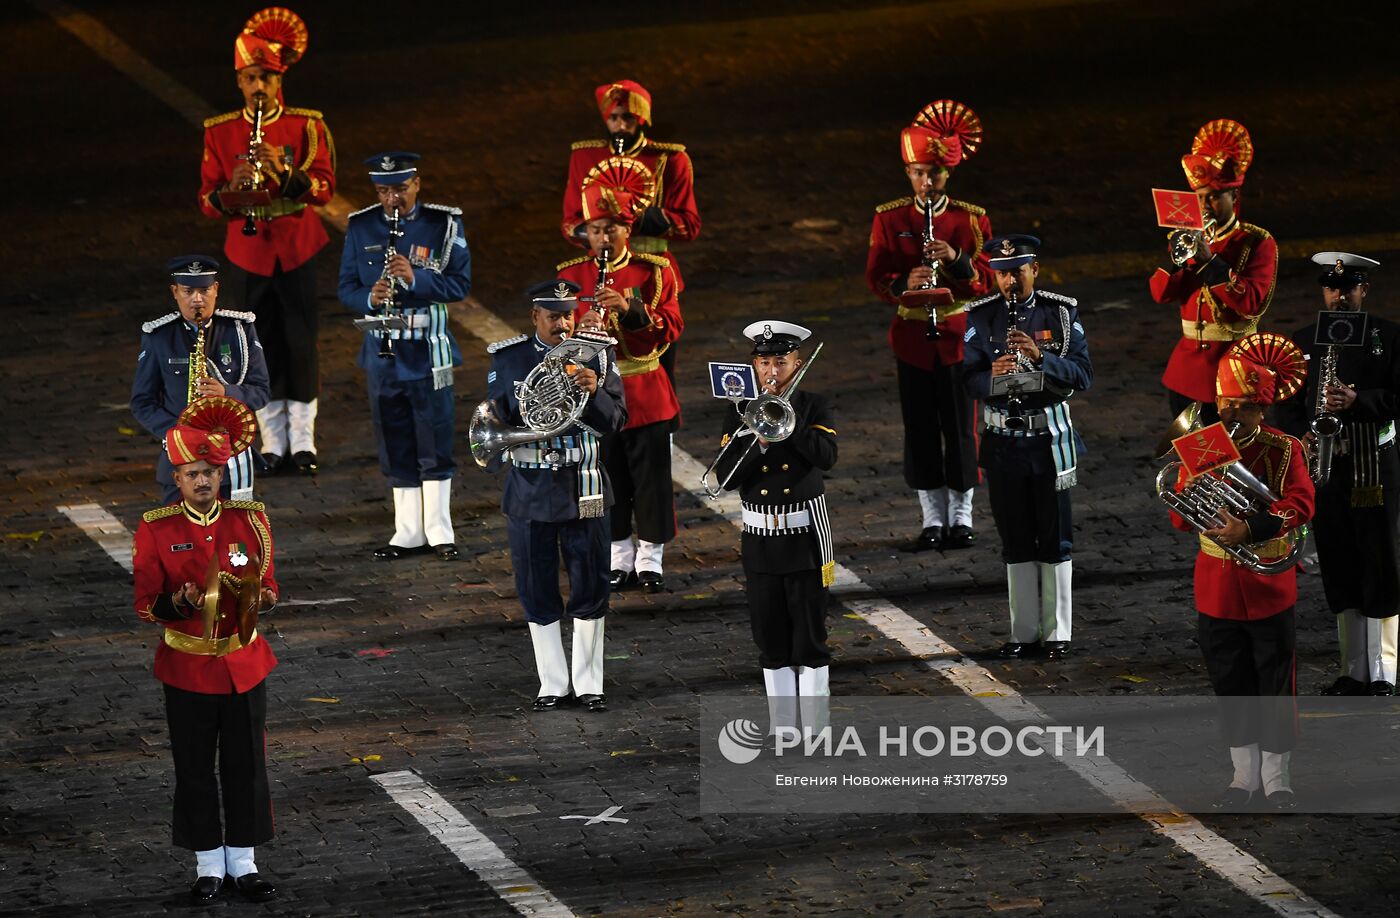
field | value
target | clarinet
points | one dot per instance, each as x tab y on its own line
1015	418
386	308
255	139
604	258
932	333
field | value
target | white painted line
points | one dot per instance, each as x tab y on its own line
104	529
283	603
605	816
478	853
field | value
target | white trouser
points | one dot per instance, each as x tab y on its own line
1056	604
588	656
934	504
239	861
408	518
814	691
301	426
960	508
437	512
1367	646
272	421
553	669
1246	761
211	863
649	556
1023	595
624	555
1273	771
781	686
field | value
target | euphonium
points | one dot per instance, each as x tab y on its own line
1183	242
255	139
1326	427
769	416
198	366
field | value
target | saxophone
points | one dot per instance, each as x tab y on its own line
1325	425
198	365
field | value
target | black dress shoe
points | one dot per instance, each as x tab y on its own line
959	537
1282	801
593	702
547	702
395	552
269	463
1346	685
1056	650
930	538
1234	798
1012	651
621	580
1381	687
305	461
651	581
254	888
206	890
447	552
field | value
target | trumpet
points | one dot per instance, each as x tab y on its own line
1185	244
386	344
770	417
1326	427
255	139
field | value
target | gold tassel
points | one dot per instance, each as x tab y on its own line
591	507
828	573
1373	496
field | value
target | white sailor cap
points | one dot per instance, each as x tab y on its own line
1344	270
775	337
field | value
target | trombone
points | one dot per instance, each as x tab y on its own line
769	416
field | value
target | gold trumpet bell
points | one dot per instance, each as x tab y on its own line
1183	424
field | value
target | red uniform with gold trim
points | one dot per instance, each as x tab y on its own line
1219	305
173	546
289	231
1224	588
896	248
646	387
675	194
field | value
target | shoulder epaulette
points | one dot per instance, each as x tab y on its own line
445	208
572	261
659	260
305	113
667	147
246	505
161	513
220	119
891	205
166	319
1257	232
1058	297
983	301
235	314
362	210
505	343
970	208
587	144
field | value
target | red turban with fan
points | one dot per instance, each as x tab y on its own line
273	39
1263	367
944	133
214	428
619	187
631	95
1219	157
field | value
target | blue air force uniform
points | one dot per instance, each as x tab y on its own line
411	395
233	354
556	501
1030	450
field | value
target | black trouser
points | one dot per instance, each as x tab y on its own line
940	447
1254	663
638	462
788	614
1357	546
232	726
1033	519
1177	403
287	323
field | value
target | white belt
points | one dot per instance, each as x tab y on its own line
417	319
529	455
776	522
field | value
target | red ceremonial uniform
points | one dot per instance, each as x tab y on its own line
675	194
1221	302
646	387
173	546
289	231
1224	588
896	248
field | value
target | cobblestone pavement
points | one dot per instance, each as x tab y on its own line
422	665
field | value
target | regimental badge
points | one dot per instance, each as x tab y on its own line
767	332
1340	268
387	164
1008	247
197	267
237	554
561	291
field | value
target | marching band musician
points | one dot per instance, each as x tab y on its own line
213	671
555	501
296	164
673	215
1358	503
786	543
234	366
1030	448
940	446
1245	621
1226	286
410	374
637	302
